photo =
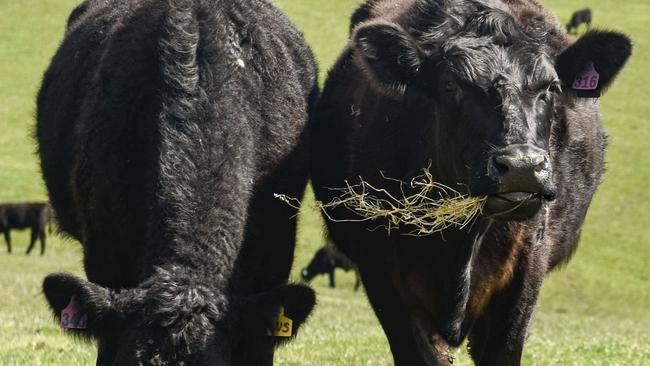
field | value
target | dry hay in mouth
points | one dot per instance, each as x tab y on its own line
426	214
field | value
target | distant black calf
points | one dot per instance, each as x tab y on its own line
579	17
23	216
326	261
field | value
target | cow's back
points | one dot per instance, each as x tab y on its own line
104	153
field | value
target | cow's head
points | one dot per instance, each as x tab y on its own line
493	86
323	262
173	319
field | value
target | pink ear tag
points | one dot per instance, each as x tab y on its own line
72	317
588	79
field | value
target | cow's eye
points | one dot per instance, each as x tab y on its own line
555	88
552	90
451	86
544	96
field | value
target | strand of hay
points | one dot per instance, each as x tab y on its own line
426	214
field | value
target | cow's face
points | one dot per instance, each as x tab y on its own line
170	320
493	91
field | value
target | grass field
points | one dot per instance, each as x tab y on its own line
594	312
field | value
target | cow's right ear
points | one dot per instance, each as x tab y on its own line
80	307
389	56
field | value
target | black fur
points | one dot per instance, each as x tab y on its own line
164	128
22	216
467	87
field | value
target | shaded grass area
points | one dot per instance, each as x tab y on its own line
593	312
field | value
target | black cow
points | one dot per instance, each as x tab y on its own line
325	261
579	17
164	128
34	216
489	93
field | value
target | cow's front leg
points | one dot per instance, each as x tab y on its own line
32	241
499	335
8	240
331	275
41	237
357	281
396	319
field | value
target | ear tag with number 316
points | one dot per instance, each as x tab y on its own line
588	78
283	326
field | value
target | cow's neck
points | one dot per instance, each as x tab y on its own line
208	250
444	288
455	290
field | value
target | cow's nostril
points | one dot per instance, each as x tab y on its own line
500	165
540	164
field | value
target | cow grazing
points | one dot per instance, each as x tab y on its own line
164	128
490	94
33	216
325	261
579	17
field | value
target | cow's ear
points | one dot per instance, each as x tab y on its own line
389	56
276	315
588	66
79	306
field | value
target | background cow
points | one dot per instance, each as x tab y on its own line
33	216
164	128
579	17
325	261
488	93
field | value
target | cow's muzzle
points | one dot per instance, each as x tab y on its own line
522	174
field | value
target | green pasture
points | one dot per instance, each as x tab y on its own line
596	311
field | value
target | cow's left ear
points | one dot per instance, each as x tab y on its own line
588	66
81	307
390	57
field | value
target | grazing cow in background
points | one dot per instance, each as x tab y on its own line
325	261
164	128
579	17
491	94
34	216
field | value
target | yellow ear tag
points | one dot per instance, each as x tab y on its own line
283	326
